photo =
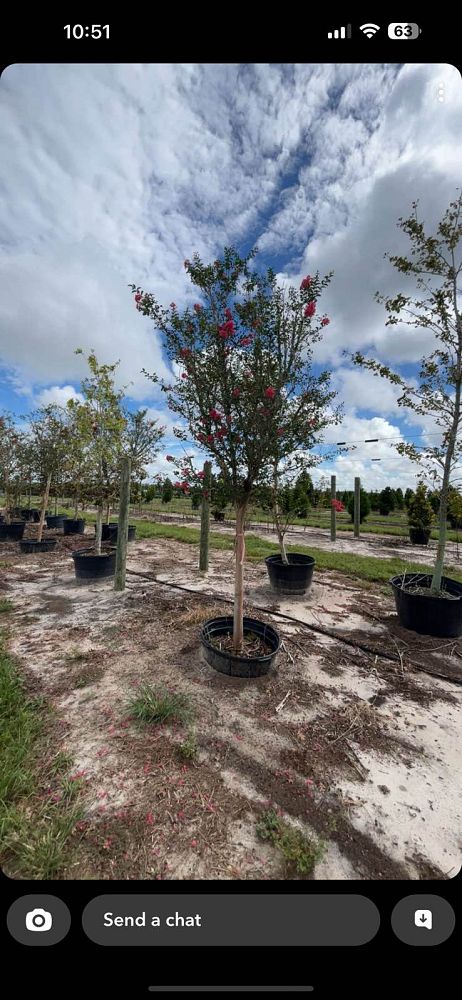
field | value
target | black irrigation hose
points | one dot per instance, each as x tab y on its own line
298	621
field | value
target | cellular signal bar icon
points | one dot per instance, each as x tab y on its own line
340	32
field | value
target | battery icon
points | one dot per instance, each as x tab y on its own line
403	32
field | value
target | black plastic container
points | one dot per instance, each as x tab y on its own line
110	532
31	514
419	536
238	666
30	546
12	532
90	566
74	526
56	520
292	579
429	615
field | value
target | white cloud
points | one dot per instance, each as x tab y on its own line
58	395
116	173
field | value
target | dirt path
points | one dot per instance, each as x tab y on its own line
364	754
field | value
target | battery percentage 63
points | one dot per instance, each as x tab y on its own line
403	32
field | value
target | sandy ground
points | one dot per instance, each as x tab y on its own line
364	754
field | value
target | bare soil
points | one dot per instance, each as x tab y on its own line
360	750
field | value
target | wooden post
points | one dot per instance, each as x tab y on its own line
357	506
333	515
122	531
205	519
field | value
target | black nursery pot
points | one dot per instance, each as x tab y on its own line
429	615
12	532
238	666
419	536
56	520
90	566
46	545
292	579
74	526
110	532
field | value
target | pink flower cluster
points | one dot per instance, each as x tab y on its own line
270	392
310	309
306	283
226	329
338	506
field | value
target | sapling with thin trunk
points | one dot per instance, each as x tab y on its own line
435	265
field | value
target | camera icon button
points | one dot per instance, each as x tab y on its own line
38	921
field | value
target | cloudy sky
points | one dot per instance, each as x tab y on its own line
113	174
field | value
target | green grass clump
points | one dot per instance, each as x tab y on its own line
188	749
5	607
158	705
34	828
299	851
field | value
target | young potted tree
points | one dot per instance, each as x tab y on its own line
292	572
76	467
420	516
101	426
11	528
141	441
431	604
240	357
49	437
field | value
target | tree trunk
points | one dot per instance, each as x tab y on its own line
76	506
239	551
44	507
99	529
282	544
108	512
122	533
439	562
29	494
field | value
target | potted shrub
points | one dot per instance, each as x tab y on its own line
238	359
420	516
11	529
431	603
101	426
290	572
49	436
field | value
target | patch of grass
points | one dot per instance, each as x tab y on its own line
188	749
5	607
299	851
158	705
77	655
37	813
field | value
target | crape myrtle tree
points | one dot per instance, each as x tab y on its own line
242	383
49	435
435	263
101	425
77	465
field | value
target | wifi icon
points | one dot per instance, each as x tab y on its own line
369	29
